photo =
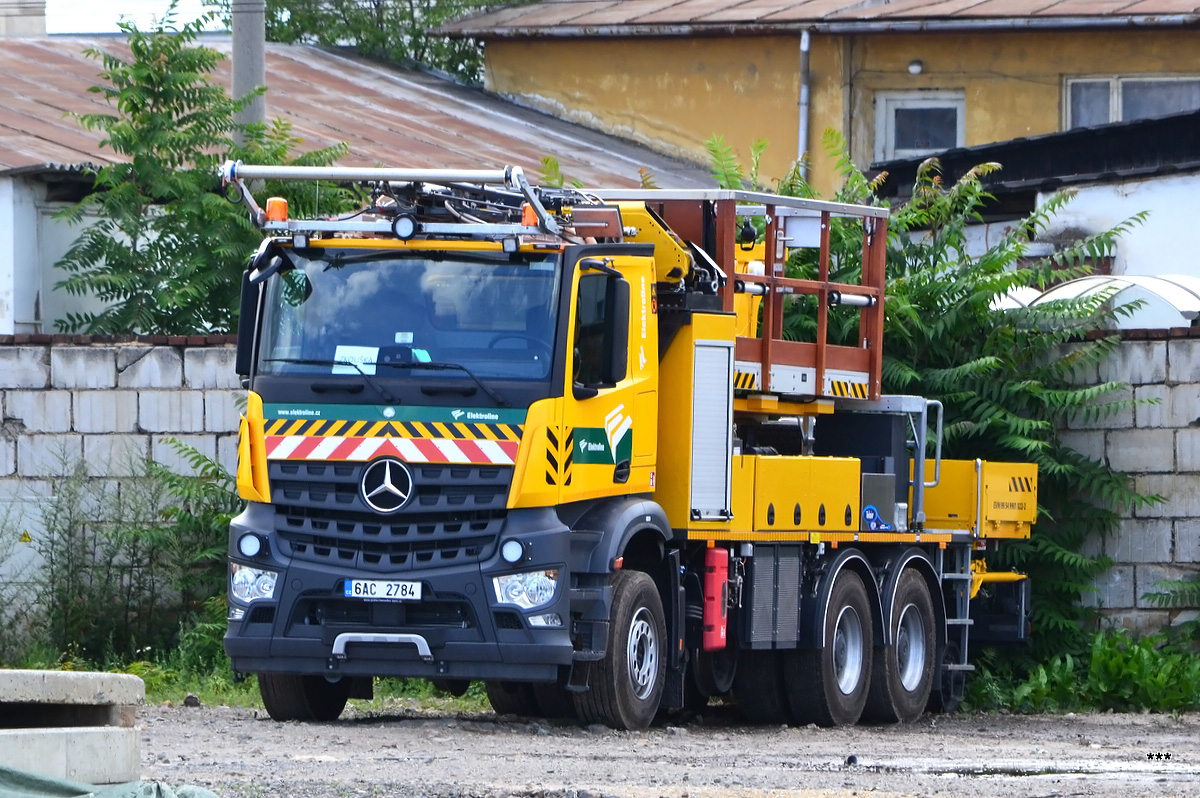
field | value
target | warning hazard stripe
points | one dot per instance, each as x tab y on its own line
458	430
745	381
848	390
1021	485
411	450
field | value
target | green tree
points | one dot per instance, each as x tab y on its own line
162	248
392	30
1008	377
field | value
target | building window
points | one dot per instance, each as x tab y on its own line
909	124
1098	101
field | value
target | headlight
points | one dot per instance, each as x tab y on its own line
247	584
527	590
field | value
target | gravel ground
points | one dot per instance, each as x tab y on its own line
402	751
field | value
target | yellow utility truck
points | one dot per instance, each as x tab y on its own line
556	440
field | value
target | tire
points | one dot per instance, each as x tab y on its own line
948	686
627	684
290	696
511	698
903	673
713	672
553	701
828	686
759	688
454	687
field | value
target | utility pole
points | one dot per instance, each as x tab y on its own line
249	20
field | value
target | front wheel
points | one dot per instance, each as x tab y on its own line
511	698
627	685
291	696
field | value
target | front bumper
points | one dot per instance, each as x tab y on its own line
457	630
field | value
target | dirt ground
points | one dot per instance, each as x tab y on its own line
414	753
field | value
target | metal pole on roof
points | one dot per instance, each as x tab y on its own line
249	21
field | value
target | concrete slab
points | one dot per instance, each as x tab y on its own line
77	726
69	687
89	754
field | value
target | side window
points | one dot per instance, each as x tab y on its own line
913	123
592	311
1101	100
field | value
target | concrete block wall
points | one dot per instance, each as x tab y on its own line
1158	444
70	398
107	403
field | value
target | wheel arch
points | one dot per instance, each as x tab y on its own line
813	632
629	527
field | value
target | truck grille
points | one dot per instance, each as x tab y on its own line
454	517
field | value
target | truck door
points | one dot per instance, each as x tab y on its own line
610	407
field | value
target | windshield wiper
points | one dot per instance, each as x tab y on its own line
436	366
306	361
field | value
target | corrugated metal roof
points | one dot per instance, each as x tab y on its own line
586	18
1130	150
388	116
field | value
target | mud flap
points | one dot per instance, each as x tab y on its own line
674	604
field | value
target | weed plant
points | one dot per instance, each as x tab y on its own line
126	566
1118	672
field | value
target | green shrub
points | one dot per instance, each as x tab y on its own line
1127	674
127	564
1117	672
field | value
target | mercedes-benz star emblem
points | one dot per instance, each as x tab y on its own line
386	485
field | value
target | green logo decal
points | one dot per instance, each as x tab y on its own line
351	412
608	446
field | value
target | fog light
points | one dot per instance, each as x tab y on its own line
549	619
512	551
247	584
235	613
249	545
528	590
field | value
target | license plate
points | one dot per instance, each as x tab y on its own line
382	590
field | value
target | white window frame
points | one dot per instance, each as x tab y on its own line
886	104
1116	110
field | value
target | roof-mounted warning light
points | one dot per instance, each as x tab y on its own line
277	210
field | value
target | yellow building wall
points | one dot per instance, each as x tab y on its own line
1013	82
669	94
673	93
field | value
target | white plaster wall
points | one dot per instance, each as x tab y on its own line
1163	244
32	241
19	260
55	237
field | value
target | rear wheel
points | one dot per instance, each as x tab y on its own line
759	688
627	685
949	685
511	698
713	671
290	696
828	686
904	672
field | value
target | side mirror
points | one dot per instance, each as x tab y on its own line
267	261
247	321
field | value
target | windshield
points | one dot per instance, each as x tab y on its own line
343	311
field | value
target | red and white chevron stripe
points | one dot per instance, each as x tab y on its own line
410	450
